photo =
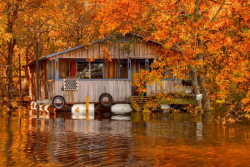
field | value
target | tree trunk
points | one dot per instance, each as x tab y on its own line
195	85
26	62
11	44
204	91
205	97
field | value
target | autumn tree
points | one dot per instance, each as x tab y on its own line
11	15
53	25
207	37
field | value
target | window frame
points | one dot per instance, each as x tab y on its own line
104	69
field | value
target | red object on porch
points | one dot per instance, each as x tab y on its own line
72	68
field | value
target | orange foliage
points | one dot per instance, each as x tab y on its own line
210	36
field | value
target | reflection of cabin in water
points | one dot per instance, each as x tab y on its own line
130	54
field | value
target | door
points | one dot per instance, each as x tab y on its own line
137	66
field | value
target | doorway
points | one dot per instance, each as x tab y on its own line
137	66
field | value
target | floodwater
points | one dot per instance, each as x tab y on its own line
137	140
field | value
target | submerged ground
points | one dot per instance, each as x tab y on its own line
137	140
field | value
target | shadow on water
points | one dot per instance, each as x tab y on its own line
141	139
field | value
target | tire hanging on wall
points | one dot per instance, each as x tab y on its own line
105	103
57	106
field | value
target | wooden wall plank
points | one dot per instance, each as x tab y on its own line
96	50
110	49
81	92
132	51
119	90
102	45
84	53
122	55
137	50
116	53
142	50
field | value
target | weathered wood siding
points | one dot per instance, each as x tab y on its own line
138	50
43	77
50	89
169	86
119	90
111	70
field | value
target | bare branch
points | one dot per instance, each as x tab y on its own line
178	46
219	2
216	14
218	18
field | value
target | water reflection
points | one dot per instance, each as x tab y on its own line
138	140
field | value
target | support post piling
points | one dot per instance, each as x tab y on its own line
37	77
87	108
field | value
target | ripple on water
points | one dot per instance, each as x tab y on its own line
141	140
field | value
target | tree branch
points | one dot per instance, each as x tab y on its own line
182	5
176	45
219	18
219	2
197	3
216	14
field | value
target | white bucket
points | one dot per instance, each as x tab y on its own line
81	109
121	109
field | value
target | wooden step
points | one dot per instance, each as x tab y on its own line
141	101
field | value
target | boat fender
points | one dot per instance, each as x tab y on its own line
61	105
102	99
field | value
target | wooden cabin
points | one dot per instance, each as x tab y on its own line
69	73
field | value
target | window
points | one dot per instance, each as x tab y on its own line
80	68
67	68
111	70
96	70
83	70
123	69
64	68
51	69
116	69
86	70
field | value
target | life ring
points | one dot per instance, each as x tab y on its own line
58	105
106	100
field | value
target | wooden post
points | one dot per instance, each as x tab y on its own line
37	79
87	108
20	80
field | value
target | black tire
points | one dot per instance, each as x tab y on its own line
58	106
103	103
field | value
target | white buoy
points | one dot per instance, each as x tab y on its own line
120	118
165	107
32	105
121	109
80	109
41	107
35	107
